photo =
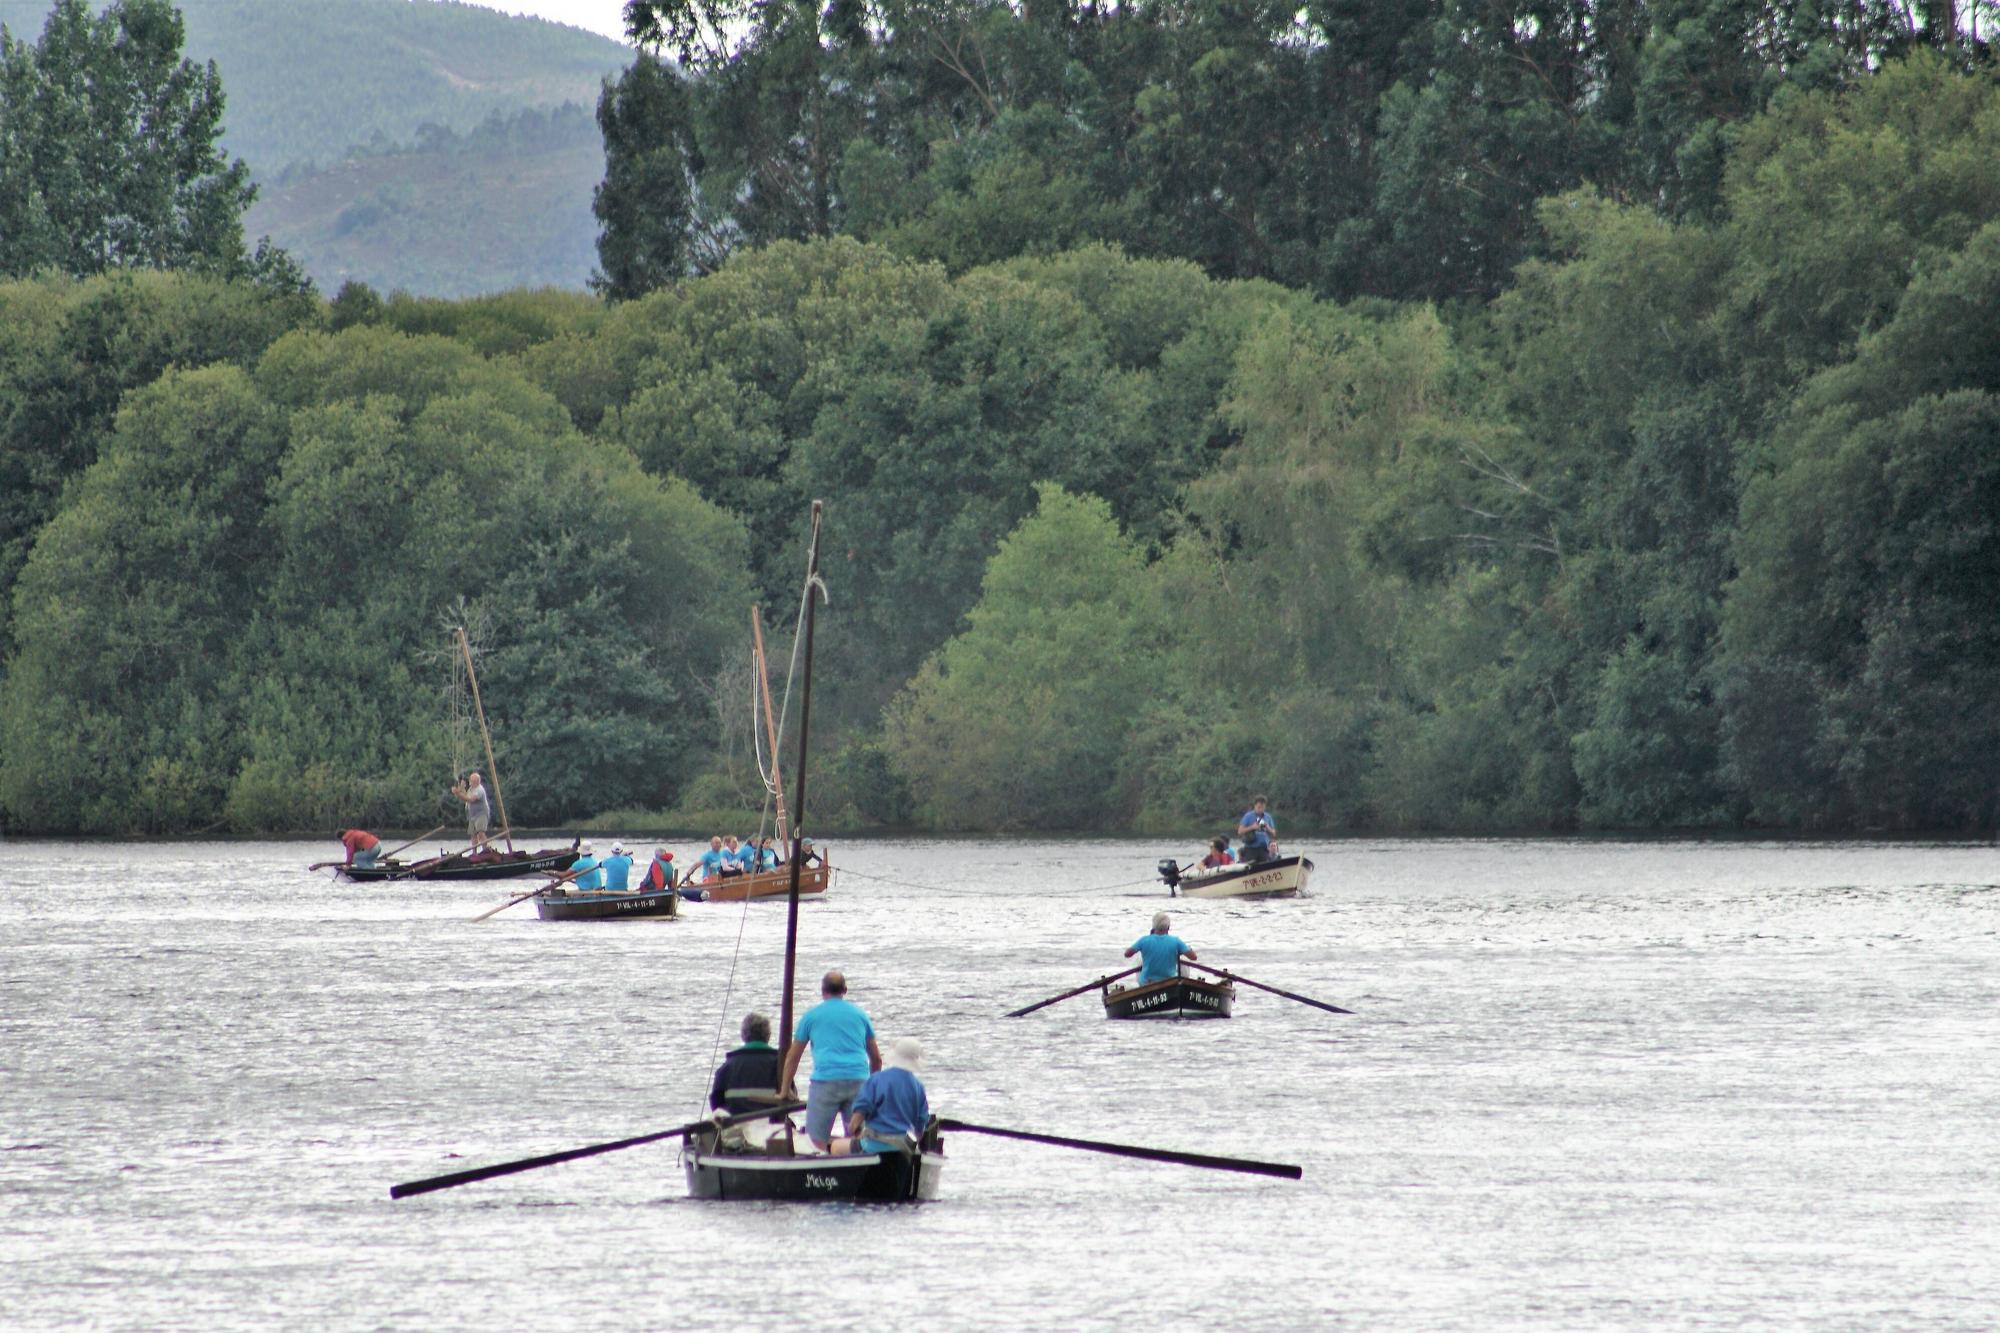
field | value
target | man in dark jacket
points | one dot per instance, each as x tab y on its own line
750	1068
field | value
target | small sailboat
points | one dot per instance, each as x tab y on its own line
722	1162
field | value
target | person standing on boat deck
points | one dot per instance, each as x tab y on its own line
892	1108
1160	952
1258	831
588	873
478	809
362	847
844	1055
617	868
750	1068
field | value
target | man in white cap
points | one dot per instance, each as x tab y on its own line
618	869
588	872
892	1109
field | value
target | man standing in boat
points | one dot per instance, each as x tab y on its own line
844	1055
1258	831
478	809
1160	953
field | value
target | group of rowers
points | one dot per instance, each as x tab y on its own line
726	858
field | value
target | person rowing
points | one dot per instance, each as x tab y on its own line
1160	953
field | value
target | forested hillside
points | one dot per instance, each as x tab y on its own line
1668	513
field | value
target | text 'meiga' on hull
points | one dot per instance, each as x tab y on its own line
714	1173
1176	997
590	905
764	884
1283	878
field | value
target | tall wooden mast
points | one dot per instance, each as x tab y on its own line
799	790
472	678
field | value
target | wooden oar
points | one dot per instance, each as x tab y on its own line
456	1178
414	841
1127	1150
563	878
1231	976
1088	985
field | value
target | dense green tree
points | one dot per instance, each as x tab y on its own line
645	207
108	148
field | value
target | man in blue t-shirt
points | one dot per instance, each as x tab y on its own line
711	862
892	1107
589	874
844	1055
1258	831
1160	953
617	868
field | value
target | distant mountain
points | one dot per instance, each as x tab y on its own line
507	205
322	95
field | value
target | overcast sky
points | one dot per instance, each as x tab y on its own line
605	16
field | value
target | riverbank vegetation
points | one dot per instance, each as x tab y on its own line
1687	522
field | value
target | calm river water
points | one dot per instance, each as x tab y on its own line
1588	1085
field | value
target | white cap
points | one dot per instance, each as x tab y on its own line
905	1053
587	850
617	849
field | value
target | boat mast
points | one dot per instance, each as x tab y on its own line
799	789
770	722
465	648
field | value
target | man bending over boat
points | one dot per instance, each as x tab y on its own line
892	1109
362	847
1160	953
844	1055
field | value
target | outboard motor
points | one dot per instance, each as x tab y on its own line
1170	872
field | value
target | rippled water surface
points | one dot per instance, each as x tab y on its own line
1587	1085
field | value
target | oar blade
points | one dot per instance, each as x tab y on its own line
1206	1161
1068	994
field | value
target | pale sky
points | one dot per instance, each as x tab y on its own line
603	16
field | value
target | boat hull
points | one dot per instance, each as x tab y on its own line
1176	997
508	865
713	1173
1285	877
598	906
764	884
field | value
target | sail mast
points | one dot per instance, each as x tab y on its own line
799	789
499	801
770	722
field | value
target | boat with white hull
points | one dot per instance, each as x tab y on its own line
1284	877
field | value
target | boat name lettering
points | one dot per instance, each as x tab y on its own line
815	1181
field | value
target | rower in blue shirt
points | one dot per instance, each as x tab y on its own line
711	862
767	856
589	874
617	868
892	1108
1159	952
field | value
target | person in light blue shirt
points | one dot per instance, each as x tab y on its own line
767	856
1159	952
1258	831
892	1107
844	1055
617	868
734	854
588	871
710	863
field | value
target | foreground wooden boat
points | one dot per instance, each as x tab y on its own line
460	865
1284	877
772	1172
728	1166
600	905
1176	997
764	884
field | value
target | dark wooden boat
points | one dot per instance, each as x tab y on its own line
1176	997
485	865
1281	877
727	1166
602	905
764	884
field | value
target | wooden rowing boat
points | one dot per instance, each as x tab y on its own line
605	905
483	865
764	884
1284	877
1176	997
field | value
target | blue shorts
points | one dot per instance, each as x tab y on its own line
827	1099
